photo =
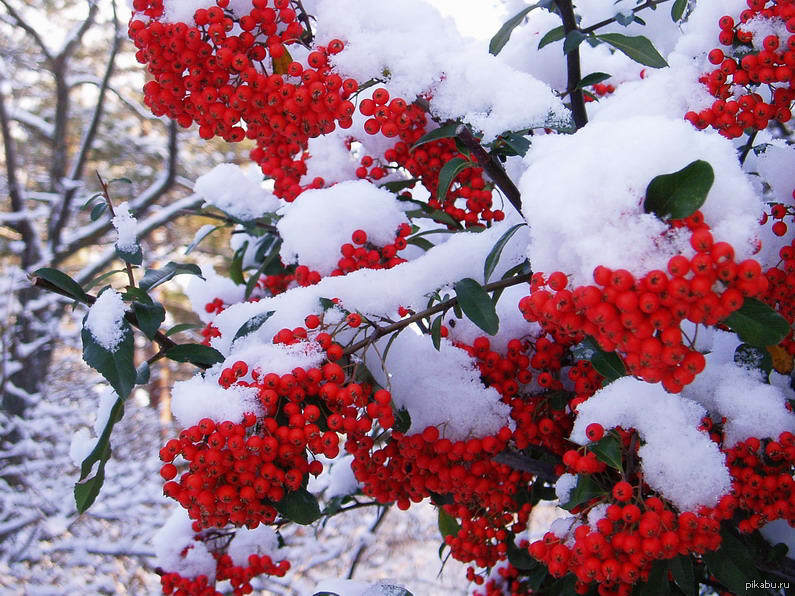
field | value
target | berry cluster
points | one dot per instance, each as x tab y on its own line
780	290
744	73
363	254
640	318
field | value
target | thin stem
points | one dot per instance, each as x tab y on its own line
260	225
106	194
363	546
747	147
159	338
491	167
441	307
600	24
573	66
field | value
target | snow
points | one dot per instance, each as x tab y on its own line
583	196
126	228
668	427
439	388
418	51
261	541
564	486
201	292
780	531
104	319
342	481
320	221
351	587
82	444
228	188
177	536
198	398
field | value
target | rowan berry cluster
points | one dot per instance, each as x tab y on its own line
363	254
742	68
640	318
779	213
781	289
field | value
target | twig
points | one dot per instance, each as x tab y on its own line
229	220
441	307
491	167
573	66
600	24
106	194
363	546
159	338
747	147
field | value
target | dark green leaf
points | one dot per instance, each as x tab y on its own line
252	324
436	332
201	235
639	48
758	324
564	586
680	194
504	34
593	79
555	34
448	173
678	9
86	491
182	327
573	41
448	525
326	303
681	568
657	584
150	317
625	19
520	557
476	304
63	282
236	266
117	366
754	357
154	277
299	506
325	594
607	364
398	185
194	353
423	243
143	373
585	490
91	199
443	132
519	144
493	257
132	293
100	278
608	450
436	215
97	211
271	258
125	180
402	421
732	563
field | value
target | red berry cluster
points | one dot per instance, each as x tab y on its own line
599	90
779	212
640	318
781	289
239	576
762	480
741	71
363	254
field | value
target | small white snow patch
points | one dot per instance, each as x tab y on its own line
227	187
104	319
176	548
199	398
261	541
564	486
126	228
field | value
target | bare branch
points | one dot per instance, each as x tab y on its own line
76	35
30	30
38	125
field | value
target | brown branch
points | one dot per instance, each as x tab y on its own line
441	307
491	167
573	66
27	28
76	36
159	338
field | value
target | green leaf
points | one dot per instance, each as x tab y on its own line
398	185
117	366
195	354
607	364
520	557
125	180
201	235
493	257
154	277
100	278
182	327
681	568
593	79
638	48
732	564
680	194
271	258
657	584
678	9
91	199
236	266
443	132
402	421
554	35
436	332
476	304
608	450
448	173
436	215
448	525
97	211
758	324
518	143
423	243
253	324
573	41
585	490
299	506
150	317
63	282
754	357
504	34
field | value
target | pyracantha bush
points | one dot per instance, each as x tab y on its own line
457	284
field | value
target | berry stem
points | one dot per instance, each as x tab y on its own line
106	195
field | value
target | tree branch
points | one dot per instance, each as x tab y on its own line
76	35
491	167
441	307
600	24
573	66
22	24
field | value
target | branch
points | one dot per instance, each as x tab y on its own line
573	66
22	24
218	216
363	545
76	35
491	167
600	24
441	307
518	461
39	125
63	209
160	339
109	203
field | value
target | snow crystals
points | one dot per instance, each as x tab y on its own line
104	319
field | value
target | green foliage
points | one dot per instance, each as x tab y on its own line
476	304
299	506
680	194
638	48
195	354
758	324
